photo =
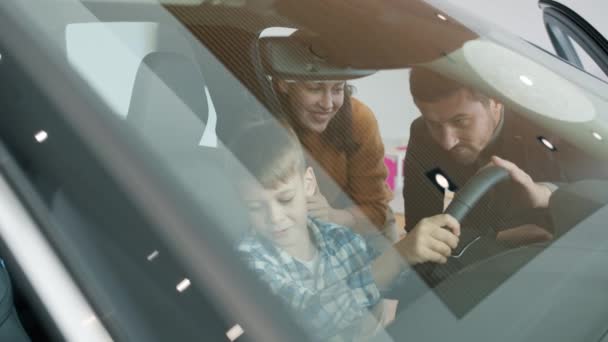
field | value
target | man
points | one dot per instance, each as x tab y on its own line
462	130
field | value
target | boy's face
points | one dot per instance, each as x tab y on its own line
279	214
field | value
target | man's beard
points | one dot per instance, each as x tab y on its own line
464	155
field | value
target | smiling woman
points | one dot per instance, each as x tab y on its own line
341	134
341	137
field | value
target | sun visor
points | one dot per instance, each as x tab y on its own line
378	34
298	58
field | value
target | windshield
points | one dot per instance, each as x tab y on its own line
377	182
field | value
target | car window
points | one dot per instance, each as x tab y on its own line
209	180
569	48
91	47
110	260
575	39
588	63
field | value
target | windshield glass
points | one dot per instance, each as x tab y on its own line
368	184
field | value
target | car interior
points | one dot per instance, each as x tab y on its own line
49	178
189	80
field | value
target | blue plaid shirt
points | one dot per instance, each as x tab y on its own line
342	290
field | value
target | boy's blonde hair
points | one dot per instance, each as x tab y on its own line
270	152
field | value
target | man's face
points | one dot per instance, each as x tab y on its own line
279	214
461	125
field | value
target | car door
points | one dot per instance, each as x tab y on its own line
575	39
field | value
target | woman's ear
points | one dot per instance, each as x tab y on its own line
310	182
282	86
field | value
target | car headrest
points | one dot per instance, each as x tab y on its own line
299	57
169	106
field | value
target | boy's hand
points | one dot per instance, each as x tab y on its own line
537	195
430	240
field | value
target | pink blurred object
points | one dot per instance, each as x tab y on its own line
393	159
391	167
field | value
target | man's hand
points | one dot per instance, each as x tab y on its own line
536	194
430	240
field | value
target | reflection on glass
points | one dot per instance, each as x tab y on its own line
183	285
89	320
235	332
597	136
552	95
442	181
547	143
153	255
41	136
526	80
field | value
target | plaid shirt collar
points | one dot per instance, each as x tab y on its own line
319	241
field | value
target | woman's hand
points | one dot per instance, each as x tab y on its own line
319	208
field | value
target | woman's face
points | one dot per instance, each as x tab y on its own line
314	103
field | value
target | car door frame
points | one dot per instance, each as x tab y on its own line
571	24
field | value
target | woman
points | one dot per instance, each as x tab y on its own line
342	138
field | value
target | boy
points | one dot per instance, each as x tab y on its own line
321	270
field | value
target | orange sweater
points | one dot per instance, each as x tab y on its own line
359	175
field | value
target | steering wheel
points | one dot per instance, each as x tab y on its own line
467	198
461	205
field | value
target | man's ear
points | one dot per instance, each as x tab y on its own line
283	86
496	108
495	105
310	182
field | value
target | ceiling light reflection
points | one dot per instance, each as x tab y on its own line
235	332
504	79
41	136
183	285
526	80
442	17
547	143
442	181
597	136
153	255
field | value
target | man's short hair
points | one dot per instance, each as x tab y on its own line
269	151
429	86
